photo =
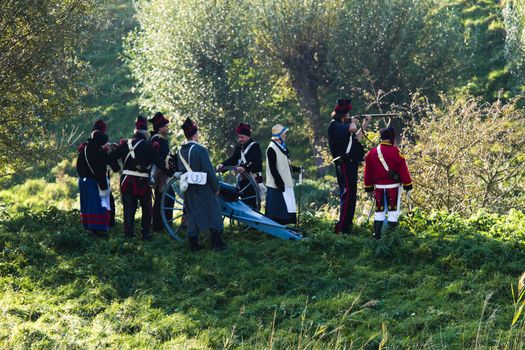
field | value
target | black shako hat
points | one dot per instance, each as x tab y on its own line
189	128
158	121
343	106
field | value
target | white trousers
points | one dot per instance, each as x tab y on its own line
393	215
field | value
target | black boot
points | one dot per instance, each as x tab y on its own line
378	225
347	230
392	225
194	244
216	241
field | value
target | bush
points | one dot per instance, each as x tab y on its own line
467	155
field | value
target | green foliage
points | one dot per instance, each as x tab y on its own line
399	46
234	55
423	286
110	93
466	155
199	66
487	67
514	19
40	75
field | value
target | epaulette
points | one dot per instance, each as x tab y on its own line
123	141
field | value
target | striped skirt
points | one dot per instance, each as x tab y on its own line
95	211
277	207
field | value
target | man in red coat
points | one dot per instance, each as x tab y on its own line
385	172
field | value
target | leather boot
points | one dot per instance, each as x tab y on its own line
216	241
378	225
392	225
147	236
194	244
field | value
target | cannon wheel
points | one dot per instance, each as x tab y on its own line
175	225
226	175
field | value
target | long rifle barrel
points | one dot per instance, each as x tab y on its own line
376	115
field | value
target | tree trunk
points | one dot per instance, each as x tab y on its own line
307	92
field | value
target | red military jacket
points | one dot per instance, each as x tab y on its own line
375	173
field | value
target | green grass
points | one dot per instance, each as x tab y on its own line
424	286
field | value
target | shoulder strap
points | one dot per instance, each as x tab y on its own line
243	153
186	165
382	159
349	147
87	161
131	149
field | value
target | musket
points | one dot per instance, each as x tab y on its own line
380	115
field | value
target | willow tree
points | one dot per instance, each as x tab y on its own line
514	19
403	45
39	74
331	47
194	58
298	36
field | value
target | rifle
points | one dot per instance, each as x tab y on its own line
380	115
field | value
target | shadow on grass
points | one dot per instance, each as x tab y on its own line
425	283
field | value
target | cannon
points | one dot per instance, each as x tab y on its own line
238	203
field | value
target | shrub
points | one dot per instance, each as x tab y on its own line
466	155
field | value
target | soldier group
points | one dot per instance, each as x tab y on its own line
145	165
385	172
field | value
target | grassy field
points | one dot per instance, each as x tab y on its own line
438	282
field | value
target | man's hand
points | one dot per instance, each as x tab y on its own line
219	167
240	170
352	127
367	121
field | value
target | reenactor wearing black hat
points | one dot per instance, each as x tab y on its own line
137	157
348	152
247	157
385	172
158	178
97	208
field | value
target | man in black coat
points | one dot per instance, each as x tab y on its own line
158	178
137	157
348	153
247	157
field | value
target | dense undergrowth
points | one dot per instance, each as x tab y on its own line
439	281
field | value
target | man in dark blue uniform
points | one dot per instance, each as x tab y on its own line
137	157
158	178
348	153
247	157
200	200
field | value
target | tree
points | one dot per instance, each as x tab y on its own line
514	19
399	45
466	155
298	36
194	59
39	74
331	47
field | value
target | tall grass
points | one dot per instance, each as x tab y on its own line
424	286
